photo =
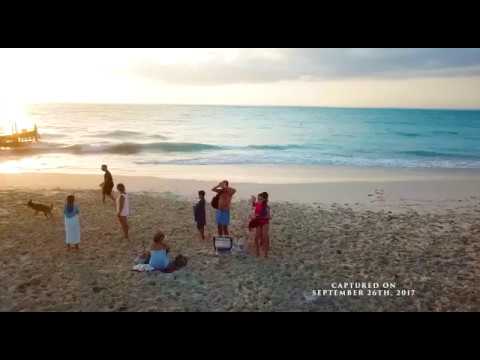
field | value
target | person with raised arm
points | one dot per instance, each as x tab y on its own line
225	194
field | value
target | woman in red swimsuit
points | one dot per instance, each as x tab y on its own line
261	224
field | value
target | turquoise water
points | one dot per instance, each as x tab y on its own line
144	136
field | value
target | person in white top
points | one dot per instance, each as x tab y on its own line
123	209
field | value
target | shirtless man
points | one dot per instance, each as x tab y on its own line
223	211
107	185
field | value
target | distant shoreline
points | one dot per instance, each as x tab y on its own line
377	189
257	106
283	174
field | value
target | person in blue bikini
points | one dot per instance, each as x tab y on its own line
223	212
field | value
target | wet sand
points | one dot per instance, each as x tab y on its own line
360	188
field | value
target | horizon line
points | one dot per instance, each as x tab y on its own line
255	105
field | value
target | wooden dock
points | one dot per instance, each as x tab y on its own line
20	138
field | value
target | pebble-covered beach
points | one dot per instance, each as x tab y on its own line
436	254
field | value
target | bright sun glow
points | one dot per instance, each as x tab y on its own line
12	113
17	166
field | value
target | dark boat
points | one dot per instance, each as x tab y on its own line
20	138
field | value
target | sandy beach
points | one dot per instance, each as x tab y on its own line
418	230
370	158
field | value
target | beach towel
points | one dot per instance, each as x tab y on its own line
179	262
143	268
142	259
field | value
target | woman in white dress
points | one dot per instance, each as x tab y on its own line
123	209
72	223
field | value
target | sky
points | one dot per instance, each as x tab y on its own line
353	77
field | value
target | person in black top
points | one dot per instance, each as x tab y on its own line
107	185
199	214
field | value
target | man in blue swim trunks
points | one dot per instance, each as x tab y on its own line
224	201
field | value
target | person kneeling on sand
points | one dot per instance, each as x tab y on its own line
158	256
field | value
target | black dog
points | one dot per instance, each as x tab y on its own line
47	211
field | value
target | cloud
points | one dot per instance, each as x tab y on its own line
273	65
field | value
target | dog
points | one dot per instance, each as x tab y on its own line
47	211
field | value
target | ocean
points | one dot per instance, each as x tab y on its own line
139	138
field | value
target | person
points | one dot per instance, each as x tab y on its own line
158	258
252	224
123	209
159	251
107	185
72	223
225	193
199	214
260	222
